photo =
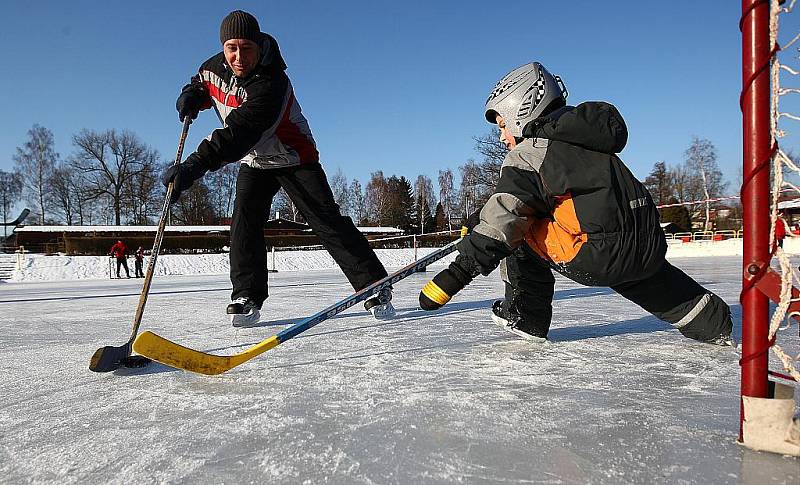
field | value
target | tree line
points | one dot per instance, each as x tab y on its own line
681	186
113	177
110	177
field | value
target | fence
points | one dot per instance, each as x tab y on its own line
708	236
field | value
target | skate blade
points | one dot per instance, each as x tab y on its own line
245	320
383	312
503	323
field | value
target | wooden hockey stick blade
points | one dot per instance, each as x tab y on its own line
174	355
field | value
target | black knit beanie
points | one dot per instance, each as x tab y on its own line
239	25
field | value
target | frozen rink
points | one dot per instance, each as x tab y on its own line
617	397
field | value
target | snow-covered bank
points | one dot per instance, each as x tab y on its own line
53	268
37	267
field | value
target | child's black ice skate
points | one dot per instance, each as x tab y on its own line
514	323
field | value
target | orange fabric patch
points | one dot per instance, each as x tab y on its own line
558	240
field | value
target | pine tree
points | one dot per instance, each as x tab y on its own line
399	211
678	215
440	219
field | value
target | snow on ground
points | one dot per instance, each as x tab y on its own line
38	267
46	268
618	397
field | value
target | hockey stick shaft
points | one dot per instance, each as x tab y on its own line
162	224
108	358
167	352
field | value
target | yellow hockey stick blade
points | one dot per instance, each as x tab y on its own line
167	352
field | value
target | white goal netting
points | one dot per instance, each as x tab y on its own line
781	67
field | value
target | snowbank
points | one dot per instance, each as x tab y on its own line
37	267
48	268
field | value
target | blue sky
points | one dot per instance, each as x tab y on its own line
392	86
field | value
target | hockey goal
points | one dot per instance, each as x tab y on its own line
768	404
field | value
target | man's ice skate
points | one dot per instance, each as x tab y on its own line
380	305
244	312
513	323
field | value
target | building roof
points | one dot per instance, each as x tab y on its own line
131	229
789	204
178	229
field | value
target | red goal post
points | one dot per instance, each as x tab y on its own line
761	153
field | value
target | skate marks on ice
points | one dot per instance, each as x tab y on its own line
449	398
136	291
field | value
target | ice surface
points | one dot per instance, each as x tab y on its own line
617	397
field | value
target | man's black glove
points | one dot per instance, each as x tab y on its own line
184	174
191	100
447	283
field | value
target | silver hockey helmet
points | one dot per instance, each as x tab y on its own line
522	95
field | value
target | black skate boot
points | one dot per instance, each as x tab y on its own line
244	312
380	305
514	323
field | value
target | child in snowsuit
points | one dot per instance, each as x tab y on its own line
139	262
565	201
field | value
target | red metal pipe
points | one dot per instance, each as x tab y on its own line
755	191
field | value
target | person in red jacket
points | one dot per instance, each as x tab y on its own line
780	230
119	251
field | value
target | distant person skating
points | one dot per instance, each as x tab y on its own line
565	201
264	128
138	262
119	251
781	230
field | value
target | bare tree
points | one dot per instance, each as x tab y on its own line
222	188
35	161
86	209
10	191
493	152
109	161
472	190
424	201
341	191
194	206
377	197
284	205
62	185
701	160
141	193
447	195
358	203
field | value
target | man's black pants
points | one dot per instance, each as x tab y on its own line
123	262
308	188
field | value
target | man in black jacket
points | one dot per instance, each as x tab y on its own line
264	129
565	201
